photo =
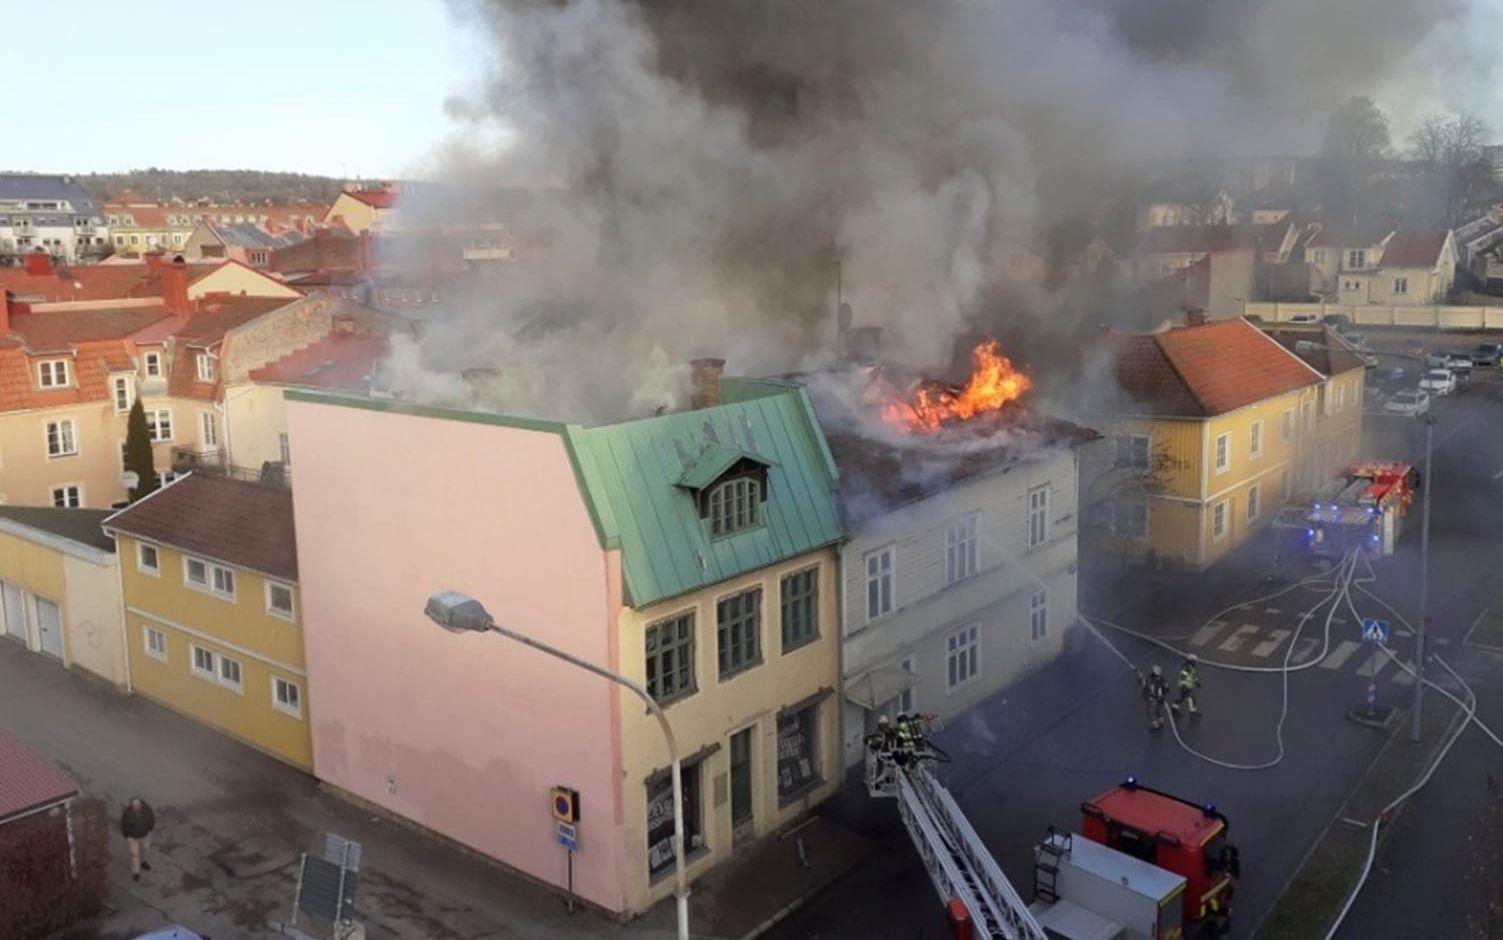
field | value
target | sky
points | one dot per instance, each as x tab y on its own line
344	88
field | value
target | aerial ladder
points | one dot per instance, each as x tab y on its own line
898	760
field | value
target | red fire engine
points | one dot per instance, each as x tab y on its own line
1174	834
1361	509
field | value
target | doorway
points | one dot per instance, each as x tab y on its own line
49	628
741	786
14	610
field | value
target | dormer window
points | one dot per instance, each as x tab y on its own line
730	486
734	505
52	373
153	364
205	364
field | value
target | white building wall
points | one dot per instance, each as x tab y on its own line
927	612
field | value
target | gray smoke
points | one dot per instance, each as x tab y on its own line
707	174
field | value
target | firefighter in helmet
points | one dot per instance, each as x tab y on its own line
1155	691
1189	681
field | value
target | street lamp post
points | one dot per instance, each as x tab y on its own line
1424	598
460	613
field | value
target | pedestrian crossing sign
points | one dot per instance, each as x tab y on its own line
1374	630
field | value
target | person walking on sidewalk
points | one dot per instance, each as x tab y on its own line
136	823
1189	681
1155	691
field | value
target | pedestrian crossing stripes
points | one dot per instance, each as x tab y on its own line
1374	665
1303	650
1275	639
1239	638
1203	636
1340	654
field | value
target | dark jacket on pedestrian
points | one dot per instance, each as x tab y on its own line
137	823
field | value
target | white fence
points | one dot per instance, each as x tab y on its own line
1434	318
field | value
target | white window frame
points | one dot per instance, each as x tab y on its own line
962	548
883	572
1038	614
203	367
290	613
53	373
962	646
147	633
152	570
1038	512
1223	452
72	437
1254	502
1288	424
215	574
211	674
154	425
1220	519
1135	536
1401	285
151	363
234	685
63	488
1132	444
211	570
1255	439
1356	259
279	705
208	431
124	390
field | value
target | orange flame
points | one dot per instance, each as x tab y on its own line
993	383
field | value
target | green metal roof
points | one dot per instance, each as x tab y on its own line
632	476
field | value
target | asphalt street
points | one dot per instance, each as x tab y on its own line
1026	758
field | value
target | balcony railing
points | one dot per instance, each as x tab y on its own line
213	463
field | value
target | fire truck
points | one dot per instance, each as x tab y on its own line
1146	865
1362	509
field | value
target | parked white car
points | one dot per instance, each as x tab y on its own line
1438	381
1437	360
1303	318
1411	401
1460	363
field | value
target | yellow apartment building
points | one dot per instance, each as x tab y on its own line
208	576
1208	437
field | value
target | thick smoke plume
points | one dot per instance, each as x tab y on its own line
707	176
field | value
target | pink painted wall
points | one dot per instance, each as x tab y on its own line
470	731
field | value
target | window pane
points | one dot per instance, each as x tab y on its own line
797	764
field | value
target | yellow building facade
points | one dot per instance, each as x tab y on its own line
738	785
209	635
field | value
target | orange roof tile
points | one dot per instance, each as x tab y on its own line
1200	371
93	282
339	361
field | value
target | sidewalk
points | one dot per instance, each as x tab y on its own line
232	822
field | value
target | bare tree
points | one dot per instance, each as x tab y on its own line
1467	135
1428	142
1358	130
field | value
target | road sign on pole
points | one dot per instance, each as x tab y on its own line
567	835
1375	631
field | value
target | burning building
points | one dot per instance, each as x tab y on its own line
694	552
959	571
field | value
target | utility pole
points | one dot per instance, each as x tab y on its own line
1424	598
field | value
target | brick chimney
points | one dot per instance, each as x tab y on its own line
704	380
175	286
1196	317
39	264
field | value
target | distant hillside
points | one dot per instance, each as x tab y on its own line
220	186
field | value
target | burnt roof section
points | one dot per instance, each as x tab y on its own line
76	525
1322	348
240	523
879	475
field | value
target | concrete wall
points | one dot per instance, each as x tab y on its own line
721	707
257	419
238	279
28	474
1421	317
461	734
239	628
927	611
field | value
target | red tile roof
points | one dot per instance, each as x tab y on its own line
1201	371
1414	250
27	781
205	329
1198	239
339	361
55	330
375	198
93	282
244	524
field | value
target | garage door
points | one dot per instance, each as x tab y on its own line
49	627
14	611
